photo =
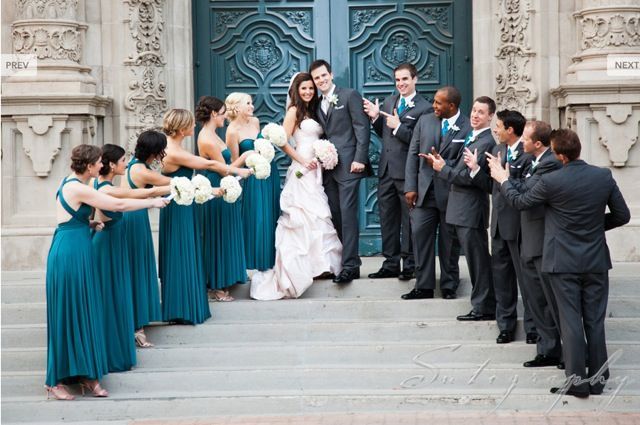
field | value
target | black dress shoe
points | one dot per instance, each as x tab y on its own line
448	294
417	294
383	273
407	274
532	338
541	360
561	366
475	316
325	275
504	337
346	276
570	391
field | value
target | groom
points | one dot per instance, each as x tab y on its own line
347	126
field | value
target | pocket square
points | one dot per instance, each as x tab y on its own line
409	117
338	107
457	141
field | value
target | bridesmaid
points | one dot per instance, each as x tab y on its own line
150	149
112	262
184	291
223	245
261	198
75	328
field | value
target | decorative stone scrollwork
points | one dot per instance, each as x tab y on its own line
618	133
41	139
610	31
514	89
50	42
46	9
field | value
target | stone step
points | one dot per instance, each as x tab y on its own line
309	402
184	381
320	310
20	336
444	353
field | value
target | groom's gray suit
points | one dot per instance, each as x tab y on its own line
347	126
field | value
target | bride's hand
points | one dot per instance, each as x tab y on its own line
311	165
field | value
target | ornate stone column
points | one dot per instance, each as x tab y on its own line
604	109
43	118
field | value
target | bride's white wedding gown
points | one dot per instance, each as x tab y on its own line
307	244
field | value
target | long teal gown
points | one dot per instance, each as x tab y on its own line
223	238
75	327
184	291
142	262
260	212
112	264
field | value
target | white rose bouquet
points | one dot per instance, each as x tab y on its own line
202	189
326	153
275	134
261	167
232	189
182	191
264	148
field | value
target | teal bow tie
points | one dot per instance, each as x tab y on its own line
445	127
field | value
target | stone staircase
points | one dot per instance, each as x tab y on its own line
353	349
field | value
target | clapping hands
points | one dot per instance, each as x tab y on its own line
498	172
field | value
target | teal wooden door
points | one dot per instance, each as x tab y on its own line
256	46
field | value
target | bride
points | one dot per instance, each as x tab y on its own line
307	244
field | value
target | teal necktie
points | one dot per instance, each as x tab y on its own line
402	106
509	156
467	140
445	127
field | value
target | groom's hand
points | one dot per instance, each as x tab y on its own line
357	167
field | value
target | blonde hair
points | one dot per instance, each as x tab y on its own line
232	103
175	120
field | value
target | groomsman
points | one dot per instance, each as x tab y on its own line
505	228
443	131
394	121
468	208
344	122
575	254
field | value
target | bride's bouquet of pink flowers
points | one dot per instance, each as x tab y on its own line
326	153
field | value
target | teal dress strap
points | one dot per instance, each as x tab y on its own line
113	215
134	161
75	214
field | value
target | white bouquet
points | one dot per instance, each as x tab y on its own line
261	167
202	189
326	153
264	148
232	189
182	191
275	134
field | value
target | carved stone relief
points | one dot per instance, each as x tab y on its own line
41	139
612	30
48	42
46	9
618	133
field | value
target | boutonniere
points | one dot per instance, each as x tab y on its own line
514	154
333	99
455	128
410	104
473	139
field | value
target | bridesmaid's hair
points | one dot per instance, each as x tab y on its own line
175	120
232	102
206	105
303	110
82	156
110	153
150	143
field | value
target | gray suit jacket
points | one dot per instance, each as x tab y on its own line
468	204
532	219
347	126
419	176
393	155
575	220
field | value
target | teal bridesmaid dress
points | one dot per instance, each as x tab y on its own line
223	238
184	291
260	212
142	262
75	327
112	264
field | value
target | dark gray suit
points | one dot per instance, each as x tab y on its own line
505	253
468	213
395	225
576	257
431	204
535	285
347	126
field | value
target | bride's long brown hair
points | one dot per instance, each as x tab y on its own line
303	110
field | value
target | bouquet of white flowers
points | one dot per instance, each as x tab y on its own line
326	153
202	189
182	191
232	189
264	148
275	134
261	167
